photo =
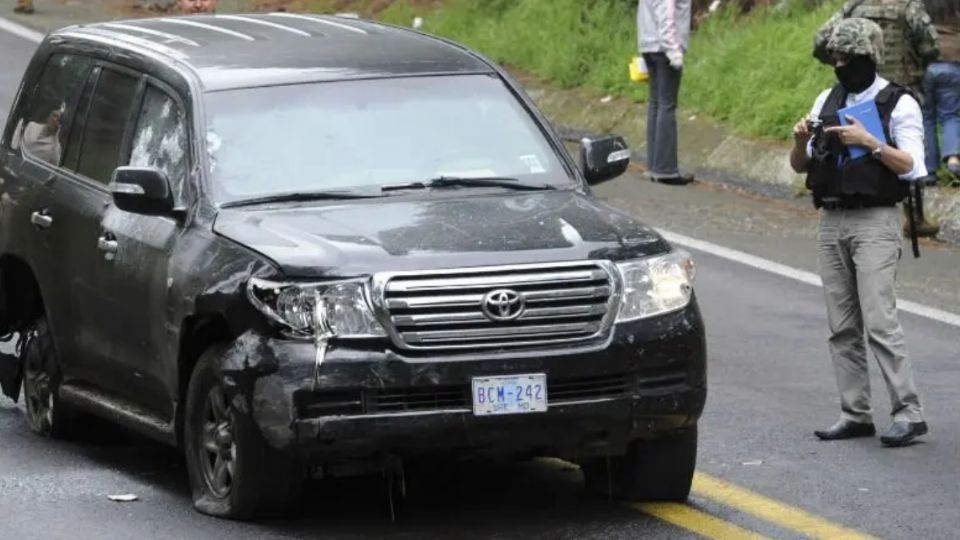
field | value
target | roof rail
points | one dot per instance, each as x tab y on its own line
148	48
319	20
262	22
151	32
210	27
105	33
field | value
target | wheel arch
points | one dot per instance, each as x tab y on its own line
21	301
197	334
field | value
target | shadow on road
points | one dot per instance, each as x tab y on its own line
477	498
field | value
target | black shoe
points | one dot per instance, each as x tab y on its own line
903	433
846	429
679	180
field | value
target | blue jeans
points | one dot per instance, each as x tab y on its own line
941	87
662	116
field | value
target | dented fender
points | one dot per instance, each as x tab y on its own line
261	375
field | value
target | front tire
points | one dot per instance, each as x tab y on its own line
234	473
651	470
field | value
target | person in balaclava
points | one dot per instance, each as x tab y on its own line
909	45
860	237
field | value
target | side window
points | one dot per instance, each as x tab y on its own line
41	130
72	151
160	139
106	125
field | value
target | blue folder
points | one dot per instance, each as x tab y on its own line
869	116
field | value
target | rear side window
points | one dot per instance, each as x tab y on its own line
106	124
160	138
41	131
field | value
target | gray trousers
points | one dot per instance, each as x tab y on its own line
662	116
859	251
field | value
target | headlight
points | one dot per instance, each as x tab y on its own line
656	285
336	309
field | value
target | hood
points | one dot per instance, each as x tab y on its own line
359	237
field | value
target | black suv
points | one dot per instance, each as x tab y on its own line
295	244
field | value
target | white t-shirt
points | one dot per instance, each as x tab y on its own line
906	124
40	142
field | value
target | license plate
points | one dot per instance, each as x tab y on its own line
510	394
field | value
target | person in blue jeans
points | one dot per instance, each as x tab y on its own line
941	88
663	34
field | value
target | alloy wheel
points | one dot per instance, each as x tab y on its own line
38	394
218	448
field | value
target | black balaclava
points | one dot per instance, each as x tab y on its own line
857	75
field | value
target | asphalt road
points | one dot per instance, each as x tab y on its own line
762	470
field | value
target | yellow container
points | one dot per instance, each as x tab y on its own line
638	70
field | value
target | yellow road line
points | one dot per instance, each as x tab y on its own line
776	512
696	521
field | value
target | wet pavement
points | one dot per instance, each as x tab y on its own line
782	230
761	468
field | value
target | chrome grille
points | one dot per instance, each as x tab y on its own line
562	303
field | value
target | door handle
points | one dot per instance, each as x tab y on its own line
108	245
41	220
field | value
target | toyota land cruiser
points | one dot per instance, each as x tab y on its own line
291	243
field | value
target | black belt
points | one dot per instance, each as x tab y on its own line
854	204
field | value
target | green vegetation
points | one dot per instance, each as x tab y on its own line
754	71
947	178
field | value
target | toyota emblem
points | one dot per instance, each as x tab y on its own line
503	305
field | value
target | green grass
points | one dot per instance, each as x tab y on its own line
947	178
753	72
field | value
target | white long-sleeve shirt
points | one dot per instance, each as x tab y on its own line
906	124
663	25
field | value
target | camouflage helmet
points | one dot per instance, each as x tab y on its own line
857	37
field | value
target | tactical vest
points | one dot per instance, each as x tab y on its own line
834	177
900	62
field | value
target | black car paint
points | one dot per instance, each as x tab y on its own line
178	272
273	371
419	232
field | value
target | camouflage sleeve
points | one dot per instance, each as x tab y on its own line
923	36
823	35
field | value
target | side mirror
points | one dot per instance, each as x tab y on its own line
142	190
603	158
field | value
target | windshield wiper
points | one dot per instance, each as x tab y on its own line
301	196
470	181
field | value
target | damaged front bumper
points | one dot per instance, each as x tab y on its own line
366	400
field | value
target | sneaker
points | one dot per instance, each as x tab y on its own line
24	6
925	229
954	167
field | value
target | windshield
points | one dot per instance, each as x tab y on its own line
372	133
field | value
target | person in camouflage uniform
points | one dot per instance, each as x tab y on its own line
859	238
909	38
910	44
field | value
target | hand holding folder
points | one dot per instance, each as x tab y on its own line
864	115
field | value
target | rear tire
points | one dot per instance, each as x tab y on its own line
651	470
46	414
234	473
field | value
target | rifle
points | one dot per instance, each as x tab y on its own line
914	204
